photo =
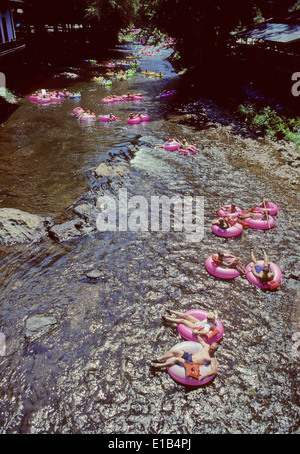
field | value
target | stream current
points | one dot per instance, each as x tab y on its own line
88	371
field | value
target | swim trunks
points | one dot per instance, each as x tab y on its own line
187	357
258	269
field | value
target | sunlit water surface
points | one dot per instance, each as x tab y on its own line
89	371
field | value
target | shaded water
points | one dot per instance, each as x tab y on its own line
89	371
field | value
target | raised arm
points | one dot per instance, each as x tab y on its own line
213	370
201	341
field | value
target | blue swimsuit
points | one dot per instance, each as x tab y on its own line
187	357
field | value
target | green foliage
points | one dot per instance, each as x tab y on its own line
266	121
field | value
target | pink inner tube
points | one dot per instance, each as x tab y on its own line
33	97
43	100
88	117
187	333
164	95
270	206
106	118
226	213
254	280
260	224
171	146
219	271
137	98
177	372
78	111
145	117
133	121
228	233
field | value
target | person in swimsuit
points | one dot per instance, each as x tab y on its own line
223	223
228	208
198	327
264	274
265	215
229	261
176	356
184	145
169	142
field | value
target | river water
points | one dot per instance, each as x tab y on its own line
88	372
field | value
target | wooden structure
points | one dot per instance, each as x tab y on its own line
9	42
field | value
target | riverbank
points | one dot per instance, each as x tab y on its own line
250	94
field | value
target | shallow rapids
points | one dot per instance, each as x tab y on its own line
87	370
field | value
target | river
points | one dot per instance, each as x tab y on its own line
88	370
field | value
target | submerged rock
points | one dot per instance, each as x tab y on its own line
104	170
18	226
94	274
68	230
38	324
87	212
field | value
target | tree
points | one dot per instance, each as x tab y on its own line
105	18
202	27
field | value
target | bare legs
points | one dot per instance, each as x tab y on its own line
185	319
266	258
169	359
237	264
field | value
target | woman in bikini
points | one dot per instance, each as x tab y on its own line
200	327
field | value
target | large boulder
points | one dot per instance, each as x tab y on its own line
18	227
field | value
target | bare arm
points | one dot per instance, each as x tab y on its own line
213	370
254	272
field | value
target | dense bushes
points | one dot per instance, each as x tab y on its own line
269	123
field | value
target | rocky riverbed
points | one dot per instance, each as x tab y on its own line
81	308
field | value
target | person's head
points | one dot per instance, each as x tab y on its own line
222	221
211	317
265	270
213	347
220	254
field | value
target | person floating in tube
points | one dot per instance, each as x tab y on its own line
198	327
184	145
265	273
177	356
227	260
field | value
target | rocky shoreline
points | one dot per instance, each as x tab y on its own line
20	227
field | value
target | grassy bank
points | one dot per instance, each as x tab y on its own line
267	122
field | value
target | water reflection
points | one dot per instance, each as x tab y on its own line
87	372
